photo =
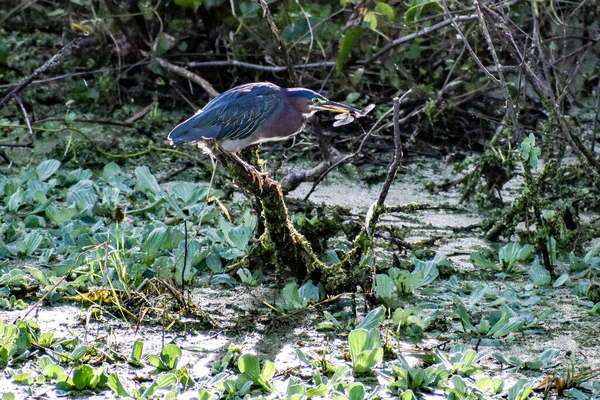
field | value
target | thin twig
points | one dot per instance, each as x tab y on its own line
280	44
468	45
73	74
28	144
412	36
310	30
258	67
85	121
24	110
378	207
53	60
398	154
501	80
371	132
593	138
185	258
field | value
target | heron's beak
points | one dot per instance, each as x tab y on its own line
338	108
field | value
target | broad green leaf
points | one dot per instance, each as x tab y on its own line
385	9
203	394
54	371
111	169
371	19
189	193
348	43
365	349
429	268
34	221
60	215
82	191
408	395
47	168
268	370
117	387
166	380
291	297
384	287
249	365
155	240
520	390
462	313
356	391
561	280
145	181
480	260
82	376
538	274
16	200
311	293
213	262
193	4
23	378
136	352
333	320
79	352
506	327
373	319
170	355
31	242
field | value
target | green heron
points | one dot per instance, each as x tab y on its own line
256	113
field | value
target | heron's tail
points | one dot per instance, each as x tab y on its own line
187	132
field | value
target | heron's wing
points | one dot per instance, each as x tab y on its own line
234	115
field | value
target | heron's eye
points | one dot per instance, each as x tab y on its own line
317	100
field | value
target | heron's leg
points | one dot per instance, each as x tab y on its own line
250	169
258	175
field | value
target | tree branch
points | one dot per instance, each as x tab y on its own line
203	83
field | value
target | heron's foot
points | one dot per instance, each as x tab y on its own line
256	176
272	182
263	179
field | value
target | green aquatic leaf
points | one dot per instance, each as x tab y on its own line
82	376
365	349
145	181
46	169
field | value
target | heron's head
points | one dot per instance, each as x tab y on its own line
310	102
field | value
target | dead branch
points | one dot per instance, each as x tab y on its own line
294	178
258	67
396	160
203	83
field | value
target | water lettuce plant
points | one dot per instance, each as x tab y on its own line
365	349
